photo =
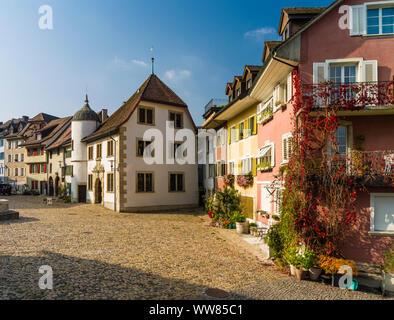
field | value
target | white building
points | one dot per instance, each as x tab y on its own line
117	175
2	160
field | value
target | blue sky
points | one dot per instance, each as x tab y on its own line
102	47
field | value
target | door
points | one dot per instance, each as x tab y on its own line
98	191
82	194
51	192
247	206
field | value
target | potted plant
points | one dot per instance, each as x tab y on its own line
305	259
253	229
241	224
388	272
332	265
290	256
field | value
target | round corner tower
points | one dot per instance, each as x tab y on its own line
84	122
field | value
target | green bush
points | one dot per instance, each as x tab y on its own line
275	241
388	264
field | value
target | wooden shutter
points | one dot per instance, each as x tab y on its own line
358	20
254	167
289	87
237	132
229	135
320	72
255	125
285	154
370	71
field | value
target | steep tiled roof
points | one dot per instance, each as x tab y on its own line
152	90
304	10
54	127
63	139
43	117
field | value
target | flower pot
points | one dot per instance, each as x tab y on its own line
388	283
300	274
314	273
292	270
242	227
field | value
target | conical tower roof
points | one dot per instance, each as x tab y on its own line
86	113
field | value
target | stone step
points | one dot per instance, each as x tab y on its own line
4	205
9	215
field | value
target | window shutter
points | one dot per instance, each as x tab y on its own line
289	148
255	125
240	167
289	87
284	142
370	70
357	21
229	135
45	168
237	132
29	168
254	167
320	72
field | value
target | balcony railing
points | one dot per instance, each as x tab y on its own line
349	96
215	103
366	163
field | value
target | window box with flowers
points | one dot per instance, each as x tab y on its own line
265	112
229	180
245	180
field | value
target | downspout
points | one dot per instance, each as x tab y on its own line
115	170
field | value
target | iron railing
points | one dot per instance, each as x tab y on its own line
215	103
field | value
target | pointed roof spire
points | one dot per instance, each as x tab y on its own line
153	61
86	99
86	113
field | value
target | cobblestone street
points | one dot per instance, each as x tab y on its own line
99	254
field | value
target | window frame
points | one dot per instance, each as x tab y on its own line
99	147
378	6
372	214
90	182
90	156
145	173
286	137
110	148
175	114
145	123
176	173
110	186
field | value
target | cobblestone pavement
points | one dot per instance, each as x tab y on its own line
99	254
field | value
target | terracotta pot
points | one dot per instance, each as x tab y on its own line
242	227
314	273
292	270
300	274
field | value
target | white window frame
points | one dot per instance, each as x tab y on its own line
249	160
286	136
233	134
270	145
372	214
276	202
262	107
231	167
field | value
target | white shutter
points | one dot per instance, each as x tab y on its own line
289	87
357	20
266	199
370	71
284	146
320	72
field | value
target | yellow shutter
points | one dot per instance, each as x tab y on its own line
240	167
255	125
237	132
254	167
246	128
229	135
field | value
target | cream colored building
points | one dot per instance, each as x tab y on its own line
118	176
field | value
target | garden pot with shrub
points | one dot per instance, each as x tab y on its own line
242	227
388	272
292	270
300	273
314	273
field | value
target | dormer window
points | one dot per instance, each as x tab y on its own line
238	92
249	84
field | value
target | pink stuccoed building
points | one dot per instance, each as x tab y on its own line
320	45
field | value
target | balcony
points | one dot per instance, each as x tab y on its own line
354	96
215	104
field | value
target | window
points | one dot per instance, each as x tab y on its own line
1	142
10	145
231	169
279	96
341	142
265	111
289	89
286	147
380	21
141	146
16	158
90	153
249	84
16	172
110	182
9	158
144	182
221	168
69	171
238	92
382	215
22	157
99	151
176	182
241	130
22	172
265	157
110	148
176	151
177	118
345	74
90	182
1	155
277	200
50	168
211	171
246	166
233	134
252	125
266	199
146	116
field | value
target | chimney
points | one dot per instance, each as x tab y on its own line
103	115
25	118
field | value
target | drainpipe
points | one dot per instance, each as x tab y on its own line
115	170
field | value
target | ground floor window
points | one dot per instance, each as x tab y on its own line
176	182
382	212
144	182
110	182
90	182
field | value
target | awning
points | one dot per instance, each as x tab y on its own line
263	151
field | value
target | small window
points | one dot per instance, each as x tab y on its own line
252	129
99	151
144	182
141	146
382	217
146	116
176	182
265	157
246	166
233	134
90	153
90	182
176	151
231	167
241	130
249	83
380	21
110	148
110	182
177	119
211	170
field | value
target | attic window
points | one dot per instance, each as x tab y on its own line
249	84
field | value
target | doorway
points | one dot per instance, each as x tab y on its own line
82	194
98	191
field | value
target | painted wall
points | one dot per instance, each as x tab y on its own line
2	161
161	196
17	182
325	40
